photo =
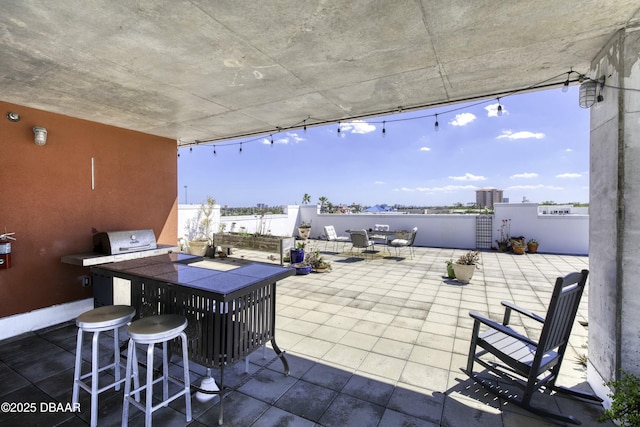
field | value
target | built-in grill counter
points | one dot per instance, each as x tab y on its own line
116	246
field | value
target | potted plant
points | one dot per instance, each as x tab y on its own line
318	263
625	405
296	255
518	245
199	229
465	266
532	246
504	230
304	230
302	266
450	273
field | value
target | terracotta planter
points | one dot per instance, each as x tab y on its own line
518	249
463	272
532	248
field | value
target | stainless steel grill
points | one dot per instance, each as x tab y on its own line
115	246
123	242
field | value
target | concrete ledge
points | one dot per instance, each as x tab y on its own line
37	319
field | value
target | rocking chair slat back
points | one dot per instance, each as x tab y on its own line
562	311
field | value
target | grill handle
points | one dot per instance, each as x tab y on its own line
134	248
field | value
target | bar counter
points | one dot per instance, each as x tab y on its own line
231	313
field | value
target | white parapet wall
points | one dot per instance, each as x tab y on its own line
558	234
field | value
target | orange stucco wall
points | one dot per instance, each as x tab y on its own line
47	200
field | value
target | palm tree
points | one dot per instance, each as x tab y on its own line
306	199
323	200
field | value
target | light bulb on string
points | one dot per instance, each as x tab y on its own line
214	151
240	148
499	108
304	127
565	86
272	141
190	149
178	153
384	129
436	126
338	128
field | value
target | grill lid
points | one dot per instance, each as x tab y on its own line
120	242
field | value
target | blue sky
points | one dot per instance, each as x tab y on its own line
538	149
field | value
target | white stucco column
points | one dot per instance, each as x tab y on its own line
614	232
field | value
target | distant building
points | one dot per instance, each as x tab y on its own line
486	197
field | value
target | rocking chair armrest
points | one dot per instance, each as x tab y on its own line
500	328
511	306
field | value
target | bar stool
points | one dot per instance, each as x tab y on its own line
107	318
151	331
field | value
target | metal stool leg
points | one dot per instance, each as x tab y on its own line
186	379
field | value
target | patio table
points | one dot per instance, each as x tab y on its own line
230	313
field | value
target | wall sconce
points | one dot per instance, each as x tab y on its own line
40	135
589	93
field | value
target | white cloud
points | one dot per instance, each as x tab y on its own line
379	182
569	175
444	189
526	175
425	149
534	187
568	150
462	119
357	126
523	134
492	110
468	177
289	137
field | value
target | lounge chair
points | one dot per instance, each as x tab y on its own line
397	244
332	236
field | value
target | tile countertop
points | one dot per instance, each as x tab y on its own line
174	269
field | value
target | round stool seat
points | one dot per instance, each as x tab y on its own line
105	317
155	329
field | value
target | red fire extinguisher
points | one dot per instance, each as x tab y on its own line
5	250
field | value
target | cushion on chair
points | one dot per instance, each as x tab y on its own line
399	242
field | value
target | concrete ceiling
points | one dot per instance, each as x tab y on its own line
203	70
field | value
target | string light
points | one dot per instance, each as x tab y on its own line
214	151
190	149
544	84
565	86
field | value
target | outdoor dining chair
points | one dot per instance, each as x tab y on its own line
530	364
360	239
332	236
397	244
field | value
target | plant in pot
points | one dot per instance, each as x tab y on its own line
504	241
302	266
532	246
318	263
465	266
518	245
625	404
199	234
450	273
304	230
296	255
